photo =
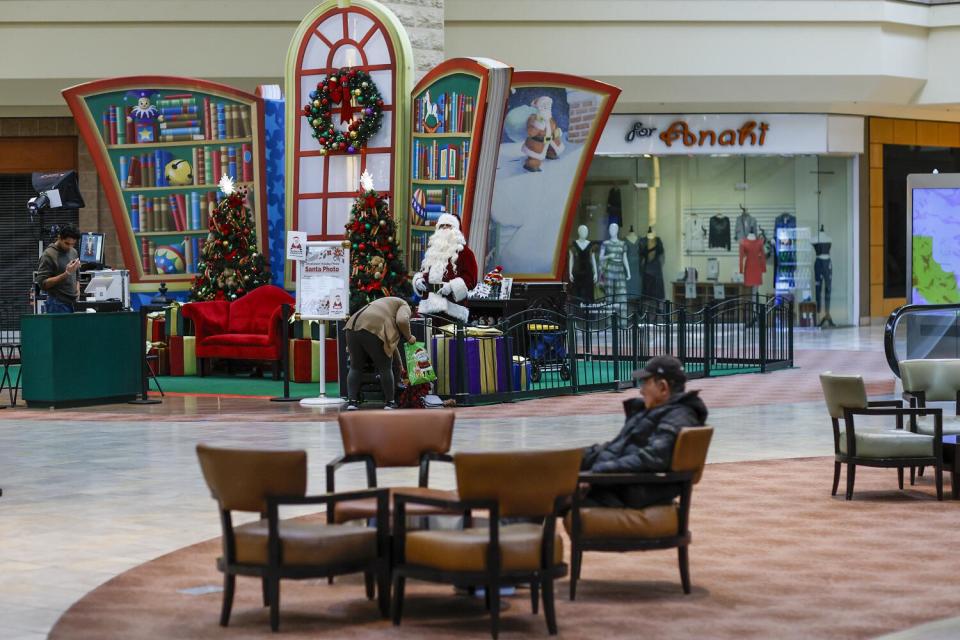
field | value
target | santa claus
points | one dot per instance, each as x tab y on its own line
448	271
544	137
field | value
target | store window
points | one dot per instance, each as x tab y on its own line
697	209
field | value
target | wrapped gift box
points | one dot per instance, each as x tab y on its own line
305	360
485	365
160	366
183	355
305	330
156	327
522	370
176	324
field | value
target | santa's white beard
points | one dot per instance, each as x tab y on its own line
443	248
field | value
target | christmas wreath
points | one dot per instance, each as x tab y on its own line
345	87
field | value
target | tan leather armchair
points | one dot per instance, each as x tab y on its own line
529	485
392	439
271	548
654	527
934	380
846	397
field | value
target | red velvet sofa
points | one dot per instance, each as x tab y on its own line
245	329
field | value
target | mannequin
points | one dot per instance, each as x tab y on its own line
753	260
651	258
613	265
634	284
582	265
823	273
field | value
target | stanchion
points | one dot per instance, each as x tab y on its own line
144	371
285	355
322	400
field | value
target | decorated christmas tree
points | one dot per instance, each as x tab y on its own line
376	264
230	264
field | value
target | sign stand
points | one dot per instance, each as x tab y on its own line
322	400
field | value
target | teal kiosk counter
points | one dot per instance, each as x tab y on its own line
73	359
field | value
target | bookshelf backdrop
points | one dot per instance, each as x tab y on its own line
160	168
444	129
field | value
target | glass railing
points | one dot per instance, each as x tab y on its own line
922	331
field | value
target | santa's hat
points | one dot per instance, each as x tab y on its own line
450	219
543	102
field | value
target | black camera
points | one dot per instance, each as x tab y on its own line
60	190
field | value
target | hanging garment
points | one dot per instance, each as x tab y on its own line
746	224
753	261
613	270
720	232
635	283
651	257
582	268
696	233
614	207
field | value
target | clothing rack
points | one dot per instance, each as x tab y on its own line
765	217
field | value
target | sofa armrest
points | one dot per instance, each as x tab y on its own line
209	318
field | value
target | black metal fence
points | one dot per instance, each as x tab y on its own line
596	346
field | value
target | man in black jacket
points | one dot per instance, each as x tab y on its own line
646	441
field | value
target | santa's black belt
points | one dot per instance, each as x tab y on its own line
537	138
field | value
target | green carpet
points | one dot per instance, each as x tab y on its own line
240	385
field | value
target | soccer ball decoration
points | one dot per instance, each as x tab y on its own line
178	173
169	259
361	108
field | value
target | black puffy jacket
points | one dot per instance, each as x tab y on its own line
644	444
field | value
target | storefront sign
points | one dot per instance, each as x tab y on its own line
627	134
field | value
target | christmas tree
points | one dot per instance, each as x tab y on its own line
376	264
230	264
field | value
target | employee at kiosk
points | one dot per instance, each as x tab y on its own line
57	271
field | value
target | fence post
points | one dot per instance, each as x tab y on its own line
762	328
682	335
615	344
572	351
635	341
707	339
669	330
790	333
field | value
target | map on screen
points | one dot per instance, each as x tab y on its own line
936	246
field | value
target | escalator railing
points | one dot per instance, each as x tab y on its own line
921	331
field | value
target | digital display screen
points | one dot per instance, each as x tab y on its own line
91	247
935	264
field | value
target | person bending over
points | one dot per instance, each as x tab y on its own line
372	335
57	271
646	441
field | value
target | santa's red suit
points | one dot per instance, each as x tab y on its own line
448	272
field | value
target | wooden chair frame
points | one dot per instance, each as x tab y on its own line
493	578
272	572
681	541
885	408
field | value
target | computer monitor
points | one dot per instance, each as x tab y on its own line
90	248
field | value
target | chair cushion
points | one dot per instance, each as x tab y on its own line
304	543
237	340
894	443
466	549
951	425
367	507
657	521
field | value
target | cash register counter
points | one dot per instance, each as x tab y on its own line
72	359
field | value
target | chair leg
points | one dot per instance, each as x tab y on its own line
493	593
274	604
396	609
201	367
836	478
920	471
369	584
900	477
549	610
684	568
954	485
266	591
576	561
229	584
535	597
851	476
938	472
383	589
913	476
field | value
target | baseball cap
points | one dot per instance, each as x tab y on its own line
666	367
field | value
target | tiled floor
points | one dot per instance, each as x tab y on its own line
86	497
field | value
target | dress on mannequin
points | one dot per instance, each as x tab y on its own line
582	270
651	258
613	268
753	260
823	273
634	284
